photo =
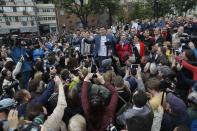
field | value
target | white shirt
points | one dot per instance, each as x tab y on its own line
85	47
138	47
135	25
103	49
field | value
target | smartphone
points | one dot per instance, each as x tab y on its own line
134	66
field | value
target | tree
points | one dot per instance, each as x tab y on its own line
83	8
113	7
141	11
168	6
160	7
182	6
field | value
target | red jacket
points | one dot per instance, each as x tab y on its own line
122	50
107	114
189	67
142	49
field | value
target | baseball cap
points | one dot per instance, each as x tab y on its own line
7	103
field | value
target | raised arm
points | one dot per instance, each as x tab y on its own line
186	65
84	94
54	120
18	67
114	99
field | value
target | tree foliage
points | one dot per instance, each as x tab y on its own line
168	6
141	11
82	10
112	6
184	5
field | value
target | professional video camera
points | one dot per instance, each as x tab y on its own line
8	90
184	38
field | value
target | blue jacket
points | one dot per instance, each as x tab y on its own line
195	52
38	53
16	54
97	42
43	99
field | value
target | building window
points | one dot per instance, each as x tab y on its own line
24	23
29	18
28	1
20	9
33	18
29	9
14	9
23	18
18	0
2	19
1	10
16	18
11	19
8	9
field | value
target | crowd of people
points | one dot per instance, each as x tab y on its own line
139	76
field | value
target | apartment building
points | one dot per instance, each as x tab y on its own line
17	16
46	14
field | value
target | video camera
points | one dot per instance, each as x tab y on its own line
185	38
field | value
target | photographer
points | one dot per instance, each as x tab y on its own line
16	52
10	77
37	114
99	116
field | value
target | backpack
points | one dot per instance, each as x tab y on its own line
126	106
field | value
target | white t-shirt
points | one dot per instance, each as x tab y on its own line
138	47
103	49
